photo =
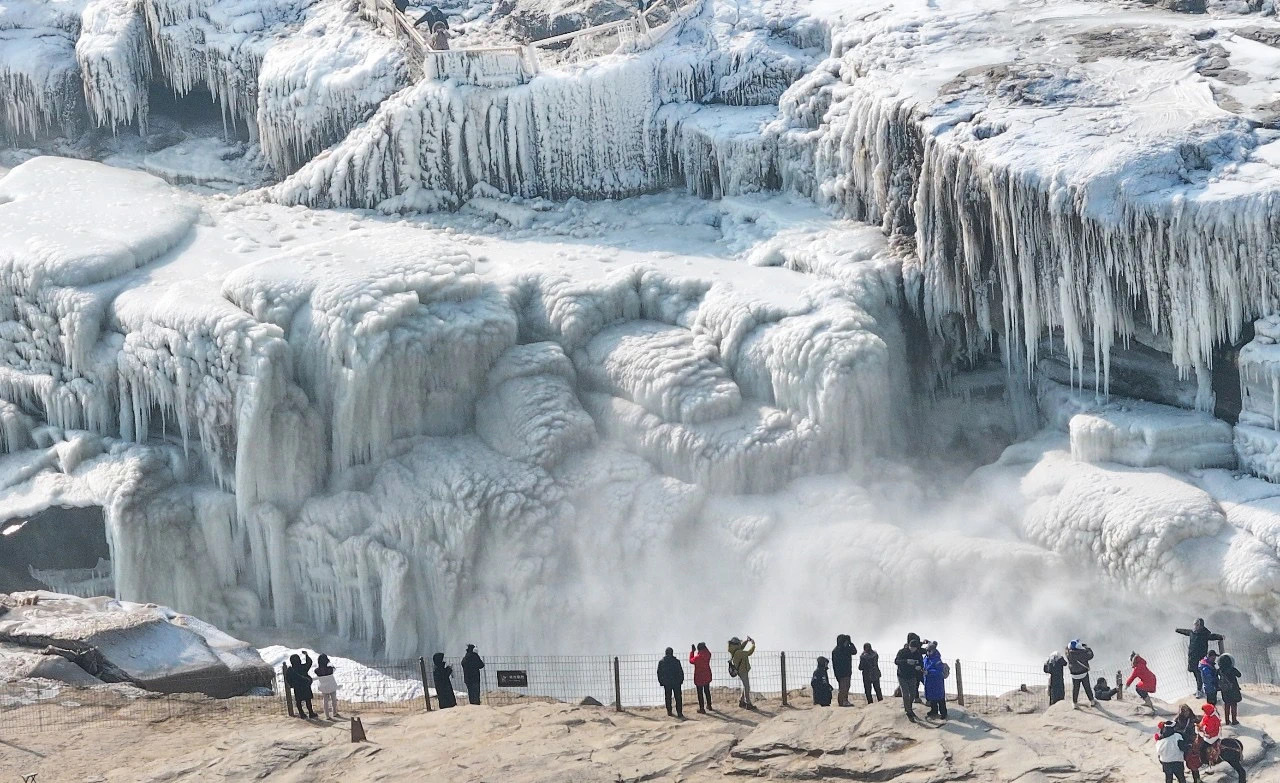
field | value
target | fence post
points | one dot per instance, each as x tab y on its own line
617	685
426	694
1119	686
959	684
288	697
782	661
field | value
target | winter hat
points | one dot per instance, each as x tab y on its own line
1226	660
1212	654
1208	709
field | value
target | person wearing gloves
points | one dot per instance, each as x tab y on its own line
740	666
1078	657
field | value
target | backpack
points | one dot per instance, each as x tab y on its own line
946	671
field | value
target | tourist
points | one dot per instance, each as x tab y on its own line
472	663
671	678
1102	690
327	687
1146	679
1078	657
740	667
1171	749
443	676
869	665
1197	648
1054	667
910	669
439	37
1210	724
700	657
1229	688
1209	676
935	681
821	684
298	677
842	666
1185	723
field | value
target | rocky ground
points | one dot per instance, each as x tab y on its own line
532	742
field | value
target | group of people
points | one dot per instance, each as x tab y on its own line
442	677
434	20
297	676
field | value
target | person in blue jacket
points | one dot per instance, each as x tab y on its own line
935	681
1209	676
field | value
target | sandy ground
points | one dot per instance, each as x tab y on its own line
533	742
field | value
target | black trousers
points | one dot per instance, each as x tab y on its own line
870	684
1194	668
668	693
908	686
473	692
1173	771
704	697
938	708
1075	689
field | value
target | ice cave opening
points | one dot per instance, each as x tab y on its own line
196	112
62	549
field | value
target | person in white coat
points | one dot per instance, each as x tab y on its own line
327	687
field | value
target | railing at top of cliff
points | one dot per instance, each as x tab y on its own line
506	66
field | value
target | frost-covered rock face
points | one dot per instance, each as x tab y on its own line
386	432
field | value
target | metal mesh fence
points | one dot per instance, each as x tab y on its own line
629	681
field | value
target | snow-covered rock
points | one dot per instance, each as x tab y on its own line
116	641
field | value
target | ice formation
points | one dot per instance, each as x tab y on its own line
406	429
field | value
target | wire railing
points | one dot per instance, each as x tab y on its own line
621	682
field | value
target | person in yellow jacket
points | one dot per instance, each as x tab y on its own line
740	667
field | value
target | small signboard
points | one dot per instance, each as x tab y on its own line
513	679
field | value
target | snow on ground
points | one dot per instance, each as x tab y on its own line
356	682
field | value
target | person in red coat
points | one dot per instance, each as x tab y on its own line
1145	678
700	657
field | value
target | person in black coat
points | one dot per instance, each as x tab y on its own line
869	665
1054	667
1198	647
671	677
910	663
298	677
472	663
443	676
842	666
821	684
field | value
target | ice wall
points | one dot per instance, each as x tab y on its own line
115	63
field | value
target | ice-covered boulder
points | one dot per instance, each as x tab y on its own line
117	641
1145	434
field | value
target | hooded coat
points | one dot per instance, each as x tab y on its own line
935	688
299	676
842	657
821	685
1142	673
1054	667
1209	674
740	656
1210	724
869	664
1229	679
670	672
701	660
443	676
